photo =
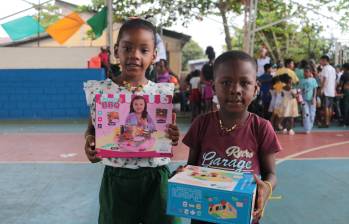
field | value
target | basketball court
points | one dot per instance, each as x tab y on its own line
46	177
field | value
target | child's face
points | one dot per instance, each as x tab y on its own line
235	85
136	51
138	105
307	73
160	68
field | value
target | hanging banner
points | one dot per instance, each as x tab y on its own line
22	28
99	22
64	28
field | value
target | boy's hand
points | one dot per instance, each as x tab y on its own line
90	149
172	131
263	194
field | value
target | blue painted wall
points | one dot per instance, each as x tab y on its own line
45	93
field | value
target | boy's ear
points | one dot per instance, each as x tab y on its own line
256	90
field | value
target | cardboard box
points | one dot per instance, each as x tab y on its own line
124	131
212	195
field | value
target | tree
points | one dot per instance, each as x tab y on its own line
172	11
287	38
283	39
48	14
191	51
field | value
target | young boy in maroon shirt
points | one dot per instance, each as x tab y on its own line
233	138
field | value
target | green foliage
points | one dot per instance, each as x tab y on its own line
286	39
289	39
170	12
90	34
191	51
48	15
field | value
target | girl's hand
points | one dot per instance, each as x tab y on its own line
143	122
90	149
263	194
178	170
172	131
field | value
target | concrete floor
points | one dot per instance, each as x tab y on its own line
39	185
309	191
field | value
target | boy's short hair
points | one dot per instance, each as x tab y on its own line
285	78
233	55
207	71
267	66
136	23
325	57
288	61
307	68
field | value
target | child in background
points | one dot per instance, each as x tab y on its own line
265	81
344	89
139	116
308	86
275	103
233	138
133	190
289	105
207	96
195	94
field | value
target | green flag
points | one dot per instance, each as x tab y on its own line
99	22
23	27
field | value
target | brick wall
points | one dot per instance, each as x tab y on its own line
44	93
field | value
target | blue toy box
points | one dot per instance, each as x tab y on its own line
212	195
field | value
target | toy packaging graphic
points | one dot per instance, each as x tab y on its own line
212	195
129	125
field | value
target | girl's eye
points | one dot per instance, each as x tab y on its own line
127	49
145	50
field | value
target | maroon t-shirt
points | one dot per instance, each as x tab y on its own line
237	150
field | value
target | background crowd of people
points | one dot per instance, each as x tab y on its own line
306	92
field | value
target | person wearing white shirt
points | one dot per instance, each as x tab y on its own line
328	87
262	60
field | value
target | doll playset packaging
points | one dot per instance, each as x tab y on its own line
212	195
129	125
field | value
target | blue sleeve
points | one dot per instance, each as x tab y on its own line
131	119
301	84
151	125
315	83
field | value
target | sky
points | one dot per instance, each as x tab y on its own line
213	37
207	32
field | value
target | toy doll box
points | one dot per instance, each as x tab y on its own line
130	125
212	195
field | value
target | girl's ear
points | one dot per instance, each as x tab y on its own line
154	56
116	52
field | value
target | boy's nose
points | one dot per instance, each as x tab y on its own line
235	88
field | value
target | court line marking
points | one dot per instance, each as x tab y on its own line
45	162
319	158
278	161
310	150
